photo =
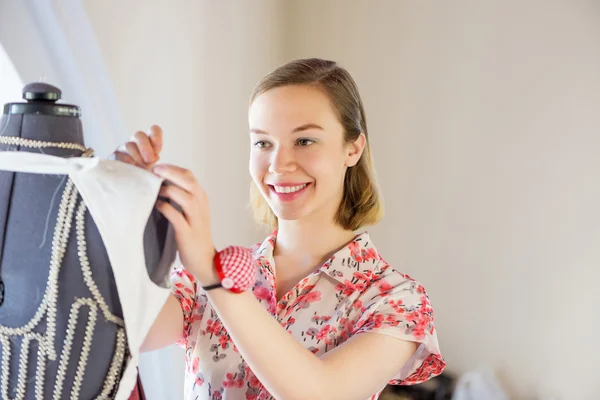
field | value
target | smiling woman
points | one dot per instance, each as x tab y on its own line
325	306
302	146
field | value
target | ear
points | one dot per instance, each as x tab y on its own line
355	149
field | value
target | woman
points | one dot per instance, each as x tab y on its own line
327	317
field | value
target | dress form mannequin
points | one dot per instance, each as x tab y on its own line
36	362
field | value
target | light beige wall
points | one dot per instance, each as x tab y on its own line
190	67
485	127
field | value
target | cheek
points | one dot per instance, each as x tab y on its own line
256	166
325	165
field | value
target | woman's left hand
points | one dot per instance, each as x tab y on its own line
192	224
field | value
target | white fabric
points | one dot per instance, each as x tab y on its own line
120	198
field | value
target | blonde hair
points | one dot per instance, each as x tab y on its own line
361	201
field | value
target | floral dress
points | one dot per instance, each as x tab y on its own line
353	292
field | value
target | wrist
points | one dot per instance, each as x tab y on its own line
210	276
205	273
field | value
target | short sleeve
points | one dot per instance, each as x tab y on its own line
185	288
401	308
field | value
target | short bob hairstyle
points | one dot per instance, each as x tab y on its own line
361	202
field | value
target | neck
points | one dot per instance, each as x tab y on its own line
52	135
310	243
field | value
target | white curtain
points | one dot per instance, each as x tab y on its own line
53	42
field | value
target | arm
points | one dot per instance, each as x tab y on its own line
284	366
167	328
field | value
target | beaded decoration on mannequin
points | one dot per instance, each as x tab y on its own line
63	327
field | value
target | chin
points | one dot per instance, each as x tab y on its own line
289	215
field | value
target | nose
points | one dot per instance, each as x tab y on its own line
282	161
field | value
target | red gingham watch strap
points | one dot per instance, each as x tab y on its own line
236	268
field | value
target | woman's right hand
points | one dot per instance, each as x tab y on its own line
143	149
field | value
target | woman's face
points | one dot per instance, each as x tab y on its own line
298	157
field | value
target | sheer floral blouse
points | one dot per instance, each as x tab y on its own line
354	292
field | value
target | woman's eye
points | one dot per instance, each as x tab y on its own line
261	144
305	142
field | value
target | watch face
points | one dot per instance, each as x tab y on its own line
227	283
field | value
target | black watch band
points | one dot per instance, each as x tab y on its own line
210	287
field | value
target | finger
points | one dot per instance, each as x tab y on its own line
144	147
156	138
181	177
176	218
186	200
131	148
123	157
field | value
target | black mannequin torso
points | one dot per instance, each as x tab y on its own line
29	205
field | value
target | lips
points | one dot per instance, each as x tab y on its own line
288	191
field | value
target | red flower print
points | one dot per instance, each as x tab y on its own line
346	289
355	250
396	305
418	333
262	293
325	331
391	320
229	381
232	381
253	381
432	366
306	289
223	340
312	296
384	285
411	316
370	254
312	332
361	276
352	287
357	296
378	321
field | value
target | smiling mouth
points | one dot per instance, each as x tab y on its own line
288	193
288	189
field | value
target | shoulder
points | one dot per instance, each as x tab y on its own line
392	280
383	284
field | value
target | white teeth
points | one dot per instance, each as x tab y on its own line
289	189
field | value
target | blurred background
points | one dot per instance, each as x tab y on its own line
485	127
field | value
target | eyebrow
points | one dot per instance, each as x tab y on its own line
300	128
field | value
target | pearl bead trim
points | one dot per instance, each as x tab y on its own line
46	340
18	141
